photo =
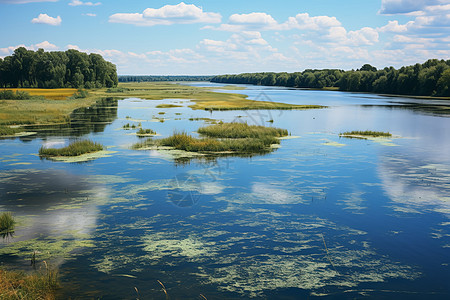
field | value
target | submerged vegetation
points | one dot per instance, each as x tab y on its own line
366	133
225	137
74	149
7	223
18	285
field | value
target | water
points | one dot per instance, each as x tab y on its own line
322	216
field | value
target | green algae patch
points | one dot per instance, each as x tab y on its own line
45	249
82	158
333	144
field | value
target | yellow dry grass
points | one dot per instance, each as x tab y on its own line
53	94
45	111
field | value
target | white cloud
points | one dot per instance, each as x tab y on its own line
393	26
263	21
90	15
78	3
252	19
167	15
407	6
46	19
46	45
305	22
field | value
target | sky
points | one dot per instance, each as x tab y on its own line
212	37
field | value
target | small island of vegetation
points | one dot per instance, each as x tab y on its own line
221	139
365	134
76	148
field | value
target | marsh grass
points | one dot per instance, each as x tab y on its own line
7	223
236	130
143	131
367	133
74	149
168	106
52	94
6	131
18	285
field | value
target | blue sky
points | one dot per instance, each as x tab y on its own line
233	36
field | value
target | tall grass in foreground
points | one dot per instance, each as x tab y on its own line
18	285
368	133
237	130
7	223
74	149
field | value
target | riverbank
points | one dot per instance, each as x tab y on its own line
51	111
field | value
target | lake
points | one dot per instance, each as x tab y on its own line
321	217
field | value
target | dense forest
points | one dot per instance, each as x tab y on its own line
147	78
56	69
431	78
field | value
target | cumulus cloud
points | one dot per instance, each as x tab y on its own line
46	45
46	19
407	6
263	21
78	3
167	15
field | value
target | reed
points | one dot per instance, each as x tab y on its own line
5	130
184	141
7	223
241	130
74	149
143	131
367	133
18	285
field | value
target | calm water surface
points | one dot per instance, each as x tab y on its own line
320	217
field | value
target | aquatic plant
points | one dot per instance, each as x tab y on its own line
367	133
184	141
167	106
7	223
142	131
241	130
18	285
5	130
74	149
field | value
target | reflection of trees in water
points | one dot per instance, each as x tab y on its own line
82	120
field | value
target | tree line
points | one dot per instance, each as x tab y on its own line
56	69
151	78
431	78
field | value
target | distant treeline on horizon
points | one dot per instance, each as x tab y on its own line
56	69
431	78
152	78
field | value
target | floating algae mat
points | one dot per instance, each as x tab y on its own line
320	217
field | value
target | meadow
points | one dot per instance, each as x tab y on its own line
58	104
